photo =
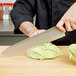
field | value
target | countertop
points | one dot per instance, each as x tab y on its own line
23	66
6	26
7	36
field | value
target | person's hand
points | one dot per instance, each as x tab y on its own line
69	19
29	29
37	32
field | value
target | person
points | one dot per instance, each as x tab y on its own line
49	13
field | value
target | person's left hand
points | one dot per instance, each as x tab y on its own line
69	19
37	32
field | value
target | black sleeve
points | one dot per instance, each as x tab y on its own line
23	10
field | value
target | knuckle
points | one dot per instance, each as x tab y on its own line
57	26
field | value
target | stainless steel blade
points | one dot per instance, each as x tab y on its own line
47	36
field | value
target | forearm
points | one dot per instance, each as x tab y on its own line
27	28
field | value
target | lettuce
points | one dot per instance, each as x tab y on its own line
44	51
72	52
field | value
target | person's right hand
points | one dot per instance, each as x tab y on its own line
36	33
69	19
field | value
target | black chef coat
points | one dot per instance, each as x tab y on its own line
48	13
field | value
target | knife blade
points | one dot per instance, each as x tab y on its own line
47	36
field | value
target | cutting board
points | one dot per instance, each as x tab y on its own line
23	66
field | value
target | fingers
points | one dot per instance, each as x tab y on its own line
34	33
68	25
60	26
37	32
73	26
40	31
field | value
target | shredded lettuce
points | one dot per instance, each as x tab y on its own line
44	51
72	52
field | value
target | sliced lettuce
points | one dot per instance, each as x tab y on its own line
72	52
44	51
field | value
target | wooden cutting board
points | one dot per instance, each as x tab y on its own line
24	66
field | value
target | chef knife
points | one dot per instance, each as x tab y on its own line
47	36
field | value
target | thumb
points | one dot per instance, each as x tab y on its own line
60	25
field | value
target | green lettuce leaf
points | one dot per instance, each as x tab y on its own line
72	52
44	51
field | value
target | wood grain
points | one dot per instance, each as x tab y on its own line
24	66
